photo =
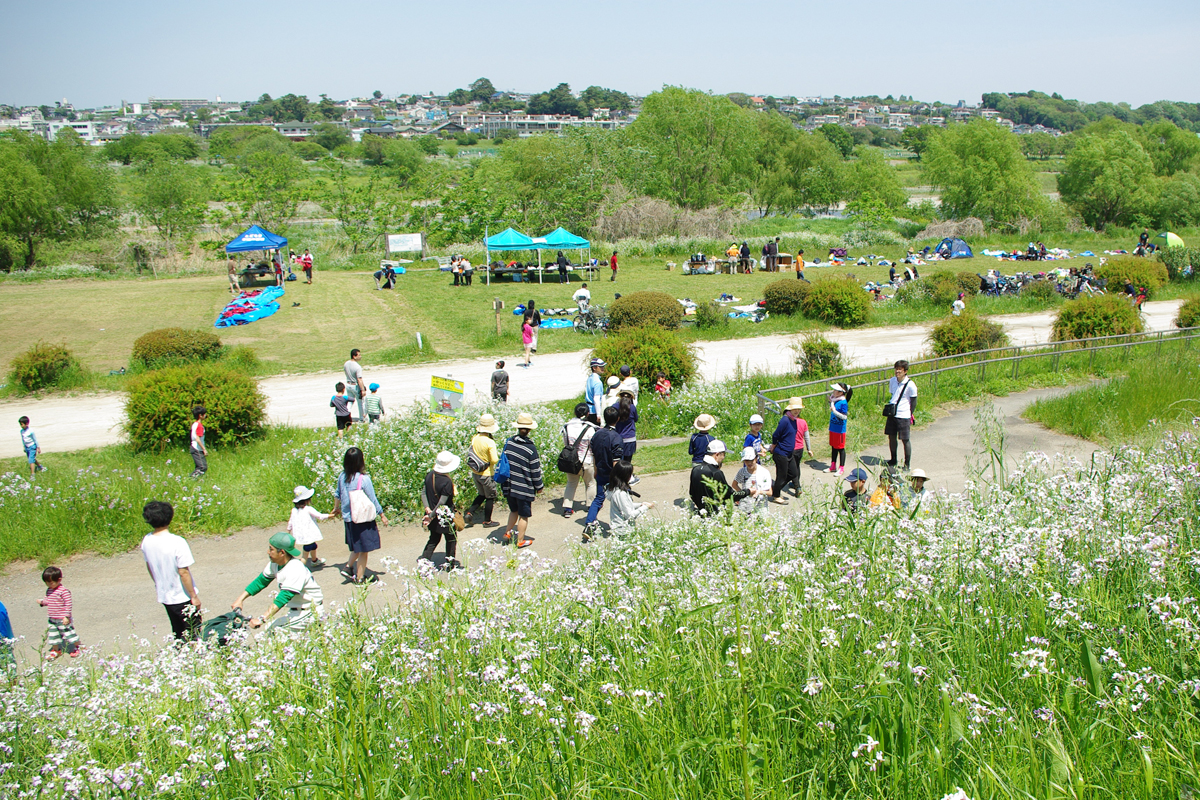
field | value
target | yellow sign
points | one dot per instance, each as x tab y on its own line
445	396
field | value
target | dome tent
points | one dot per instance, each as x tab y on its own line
953	248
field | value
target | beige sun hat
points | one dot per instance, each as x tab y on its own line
525	421
705	422
794	404
918	473
446	462
487	424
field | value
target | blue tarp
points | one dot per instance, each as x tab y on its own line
255	238
953	248
509	239
249	308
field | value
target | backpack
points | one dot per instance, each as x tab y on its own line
569	462
474	462
503	470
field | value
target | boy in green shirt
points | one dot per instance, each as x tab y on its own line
374	404
299	596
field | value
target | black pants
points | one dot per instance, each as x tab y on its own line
783	471
797	458
185	621
487	503
436	532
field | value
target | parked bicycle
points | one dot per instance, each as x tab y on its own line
593	321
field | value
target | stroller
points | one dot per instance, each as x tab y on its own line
221	628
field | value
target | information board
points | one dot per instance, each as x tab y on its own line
445	396
406	243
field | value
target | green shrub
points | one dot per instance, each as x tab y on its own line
1087	317
1189	314
42	366
1141	272
968	283
645	308
170	346
785	297
648	351
1182	263
158	410
242	358
838	301
918	292
944	287
819	356
711	316
965	334
1042	291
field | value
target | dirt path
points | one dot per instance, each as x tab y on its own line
94	420
114	598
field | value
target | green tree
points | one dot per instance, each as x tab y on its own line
1170	148
329	136
701	148
459	97
364	211
556	180
808	174
558	100
595	97
1178	204
870	174
170	195
1108	178
377	94
482	89
204	114
1038	145
328	109
427	144
264	190
916	138
231	142
291	107
839	137
981	172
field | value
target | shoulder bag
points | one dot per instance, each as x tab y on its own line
361	507
889	409
503	470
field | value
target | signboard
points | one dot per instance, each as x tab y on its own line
445	396
406	243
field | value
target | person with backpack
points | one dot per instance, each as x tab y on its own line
524	480
607	448
698	444
576	460
482	458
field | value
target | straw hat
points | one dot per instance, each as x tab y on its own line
918	473
705	422
525	421
302	493
794	404
487	424
446	462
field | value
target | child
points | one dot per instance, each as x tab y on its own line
698	444
340	403
500	383
303	525
199	451
839	412
526	339
802	445
29	443
886	493
57	603
169	561
622	511
662	387
754	479
299	597
612	264
375	408
754	437
854	498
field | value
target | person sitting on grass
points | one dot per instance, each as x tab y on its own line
299	596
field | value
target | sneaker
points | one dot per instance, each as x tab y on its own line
589	532
346	572
367	580
567	512
634	480
507	537
842	469
468	518
78	652
53	654
779	501
317	562
832	468
490	524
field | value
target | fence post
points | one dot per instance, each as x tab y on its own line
1016	363
762	406
1091	357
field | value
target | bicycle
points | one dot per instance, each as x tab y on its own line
593	321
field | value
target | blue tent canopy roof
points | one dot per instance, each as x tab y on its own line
509	239
953	248
561	237
255	238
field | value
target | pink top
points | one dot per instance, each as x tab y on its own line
801	432
527	333
58	603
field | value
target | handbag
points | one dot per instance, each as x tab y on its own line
889	409
474	462
569	462
361	507
503	470
459	522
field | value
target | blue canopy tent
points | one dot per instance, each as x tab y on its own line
507	239
953	248
255	238
560	239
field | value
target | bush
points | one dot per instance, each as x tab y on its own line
1138	271
915	292
1087	317
968	283
838	301
159	408
648	351
711	316
965	334
785	297
640	309
1042	291
171	346
1189	314
1181	262
41	366
819	356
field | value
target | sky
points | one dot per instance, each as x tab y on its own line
102	53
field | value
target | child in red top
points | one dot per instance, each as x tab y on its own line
198	450
527	339
57	602
612	263
662	387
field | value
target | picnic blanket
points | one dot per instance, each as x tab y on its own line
249	306
556	323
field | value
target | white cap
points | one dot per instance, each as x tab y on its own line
748	454
756	419
716	446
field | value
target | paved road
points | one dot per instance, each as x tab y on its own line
115	604
94	420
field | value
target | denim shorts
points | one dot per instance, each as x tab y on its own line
31	454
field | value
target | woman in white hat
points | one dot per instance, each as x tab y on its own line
524	480
482	458
437	494
303	525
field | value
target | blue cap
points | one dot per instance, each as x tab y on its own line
858	474
373	386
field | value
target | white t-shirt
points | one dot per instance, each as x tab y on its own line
583	296
354	373
759	482
295	577
958	307
165	555
903	404
303	525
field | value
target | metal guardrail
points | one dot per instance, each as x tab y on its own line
978	359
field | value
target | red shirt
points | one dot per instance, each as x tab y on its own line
306	260
612	262
58	603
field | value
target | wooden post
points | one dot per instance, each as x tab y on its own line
498	306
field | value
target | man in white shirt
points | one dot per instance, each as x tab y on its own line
904	397
354	381
582	298
299	596
628	383
169	561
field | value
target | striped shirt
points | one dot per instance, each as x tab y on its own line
525	467
58	602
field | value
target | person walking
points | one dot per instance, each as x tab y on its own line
196	434
577	434
500	383
527	336
562	264
524	480
773	249
593	390
234	288
607	447
299	595
60	631
839	414
627	417
437	497
340	403
612	264
169	561
306	261
302	525
375	409
361	513
783	441
903	406
744	259
482	458
29	444
355	382
277	266
800	267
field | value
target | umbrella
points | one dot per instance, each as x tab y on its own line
1172	239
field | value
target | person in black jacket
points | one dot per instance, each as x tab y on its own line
744	258
607	449
708	488
562	267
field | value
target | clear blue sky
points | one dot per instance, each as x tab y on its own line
97	53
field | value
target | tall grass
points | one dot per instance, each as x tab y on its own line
1033	638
